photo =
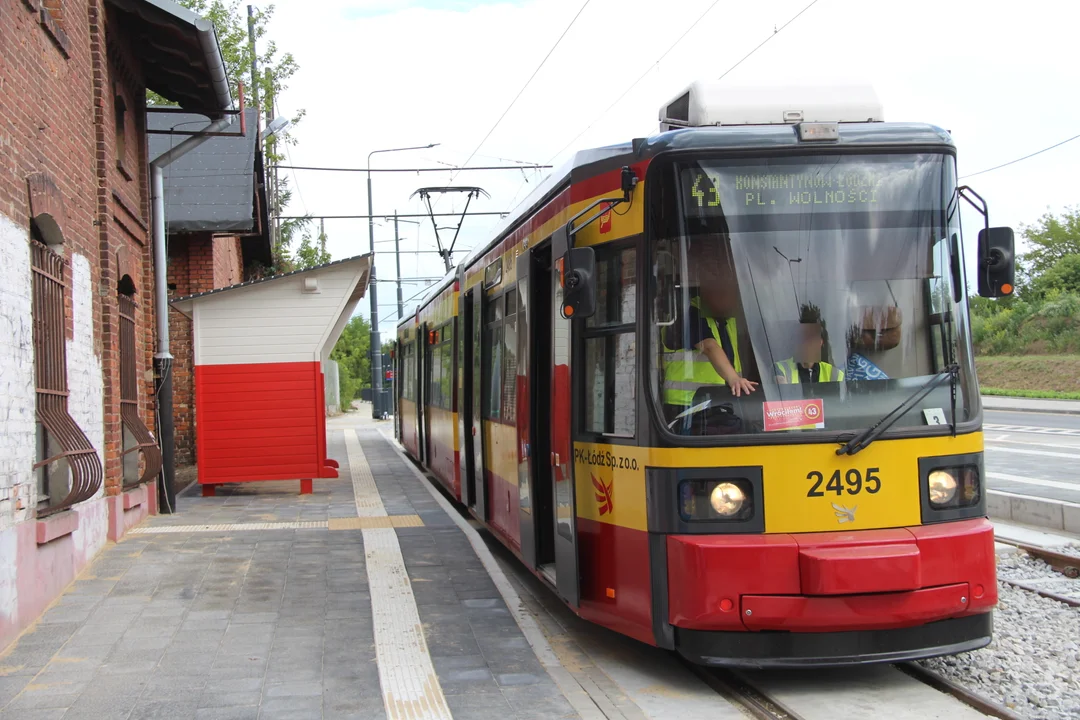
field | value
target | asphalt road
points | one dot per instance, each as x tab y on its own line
1035	454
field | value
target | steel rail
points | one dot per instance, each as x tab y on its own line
736	689
1070	601
1067	565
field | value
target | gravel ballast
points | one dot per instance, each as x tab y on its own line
1032	666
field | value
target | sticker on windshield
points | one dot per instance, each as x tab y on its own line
794	414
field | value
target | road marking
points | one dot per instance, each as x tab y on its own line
1033	429
1059	446
1033	481
1040	453
407	677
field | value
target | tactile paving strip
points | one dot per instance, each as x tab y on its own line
373	523
406	675
228	527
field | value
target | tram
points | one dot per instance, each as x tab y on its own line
817	499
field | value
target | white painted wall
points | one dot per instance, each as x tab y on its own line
59	561
86	401
274	321
17	434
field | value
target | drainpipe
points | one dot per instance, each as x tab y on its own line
163	359
163	386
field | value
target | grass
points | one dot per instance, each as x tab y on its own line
1047	394
1051	376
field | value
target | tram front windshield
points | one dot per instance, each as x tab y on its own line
830	284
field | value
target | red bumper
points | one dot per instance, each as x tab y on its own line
827	582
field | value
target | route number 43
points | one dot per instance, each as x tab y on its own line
853	482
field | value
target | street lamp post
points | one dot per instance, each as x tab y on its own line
377	409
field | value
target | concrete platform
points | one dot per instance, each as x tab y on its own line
362	600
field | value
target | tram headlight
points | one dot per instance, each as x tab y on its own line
953	487
727	499
942	487
716	500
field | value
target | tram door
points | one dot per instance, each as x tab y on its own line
551	453
474	488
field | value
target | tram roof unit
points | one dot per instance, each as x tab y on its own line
711	103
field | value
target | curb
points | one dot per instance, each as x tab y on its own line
1040	512
1004	407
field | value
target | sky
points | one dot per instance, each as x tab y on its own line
378	74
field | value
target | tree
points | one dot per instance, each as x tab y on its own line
1063	277
351	355
310	253
231	23
1052	239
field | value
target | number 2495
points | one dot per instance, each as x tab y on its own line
853	482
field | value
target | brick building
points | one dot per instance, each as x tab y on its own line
78	464
218	230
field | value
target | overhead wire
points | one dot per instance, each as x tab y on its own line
526	85
776	32
1021	159
645	74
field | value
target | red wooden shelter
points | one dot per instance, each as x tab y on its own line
259	388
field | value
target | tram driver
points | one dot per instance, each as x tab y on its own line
703	349
807	365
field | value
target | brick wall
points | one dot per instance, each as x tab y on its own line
198	262
62	68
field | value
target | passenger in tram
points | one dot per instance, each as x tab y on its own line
808	366
708	330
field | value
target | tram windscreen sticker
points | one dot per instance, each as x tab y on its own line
794	414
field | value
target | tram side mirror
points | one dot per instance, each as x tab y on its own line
577	269
997	262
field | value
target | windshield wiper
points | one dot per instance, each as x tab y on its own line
876	430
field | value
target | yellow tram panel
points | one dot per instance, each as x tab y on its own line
610	481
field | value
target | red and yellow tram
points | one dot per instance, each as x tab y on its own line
818	499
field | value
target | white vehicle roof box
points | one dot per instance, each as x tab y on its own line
708	103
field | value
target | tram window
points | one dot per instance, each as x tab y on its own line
616	290
446	399
509	368
493	344
610	348
408	371
435	367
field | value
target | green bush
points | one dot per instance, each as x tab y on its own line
1050	325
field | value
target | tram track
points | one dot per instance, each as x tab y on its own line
736	689
940	682
1064	563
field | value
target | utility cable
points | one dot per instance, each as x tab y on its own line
526	85
666	52
1013	162
640	78
776	32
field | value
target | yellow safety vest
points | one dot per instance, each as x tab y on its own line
788	370
687	370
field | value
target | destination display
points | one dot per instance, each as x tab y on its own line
832	185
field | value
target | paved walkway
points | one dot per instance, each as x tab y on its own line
362	600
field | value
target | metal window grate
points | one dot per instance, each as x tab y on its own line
50	377
137	437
